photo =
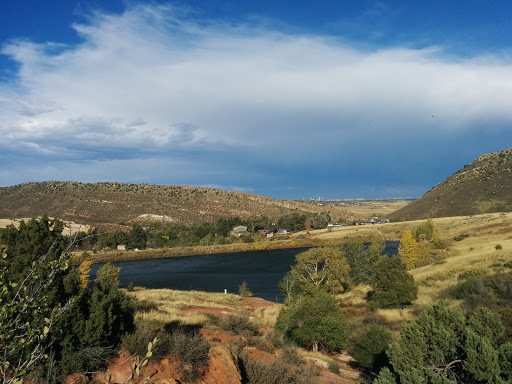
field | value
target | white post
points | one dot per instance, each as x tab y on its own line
225	291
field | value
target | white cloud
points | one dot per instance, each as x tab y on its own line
155	80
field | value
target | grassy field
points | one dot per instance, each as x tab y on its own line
476	249
377	208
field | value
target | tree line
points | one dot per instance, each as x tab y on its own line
162	235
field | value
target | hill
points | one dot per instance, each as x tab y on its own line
480	187
112	203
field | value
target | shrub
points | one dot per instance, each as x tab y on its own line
137	342
238	325
130	287
192	350
260	344
276	372
369	349
498	247
334	367
243	290
86	359
275	339
460	237
438	258
290	355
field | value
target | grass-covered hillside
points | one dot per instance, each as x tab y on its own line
480	187
112	203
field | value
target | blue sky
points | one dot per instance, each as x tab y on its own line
331	99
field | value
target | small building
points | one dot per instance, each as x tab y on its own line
239	231
264	232
282	231
121	247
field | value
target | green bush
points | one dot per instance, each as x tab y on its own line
130	287
137	342
393	286
498	247
315	322
334	367
369	349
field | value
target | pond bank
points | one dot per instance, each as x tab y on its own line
199	250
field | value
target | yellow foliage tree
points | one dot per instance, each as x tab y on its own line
409	250
85	271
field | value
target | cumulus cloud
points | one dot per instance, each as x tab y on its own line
154	81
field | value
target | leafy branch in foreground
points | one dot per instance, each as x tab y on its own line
27	315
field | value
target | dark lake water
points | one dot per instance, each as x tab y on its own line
262	270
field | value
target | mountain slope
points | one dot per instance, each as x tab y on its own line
111	203
483	186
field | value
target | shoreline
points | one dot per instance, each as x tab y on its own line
199	250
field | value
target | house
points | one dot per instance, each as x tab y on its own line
239	231
264	231
282	231
121	247
309	224
336	225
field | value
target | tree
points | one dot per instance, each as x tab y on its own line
408	250
444	345
314	321
369	350
243	290
322	268
393	286
137	237
361	257
45	309
425	230
33	262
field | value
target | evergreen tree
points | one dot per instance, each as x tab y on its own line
444	345
393	286
314	321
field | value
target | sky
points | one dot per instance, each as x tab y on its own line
331	99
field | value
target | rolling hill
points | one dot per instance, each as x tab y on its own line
112	203
484	186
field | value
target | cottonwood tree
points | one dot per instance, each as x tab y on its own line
409	250
361	257
322	268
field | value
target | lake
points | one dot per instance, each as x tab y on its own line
262	270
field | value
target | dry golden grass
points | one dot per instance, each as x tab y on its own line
266	316
377	208
170	305
476	251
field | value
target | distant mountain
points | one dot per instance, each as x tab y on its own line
112	203
483	186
